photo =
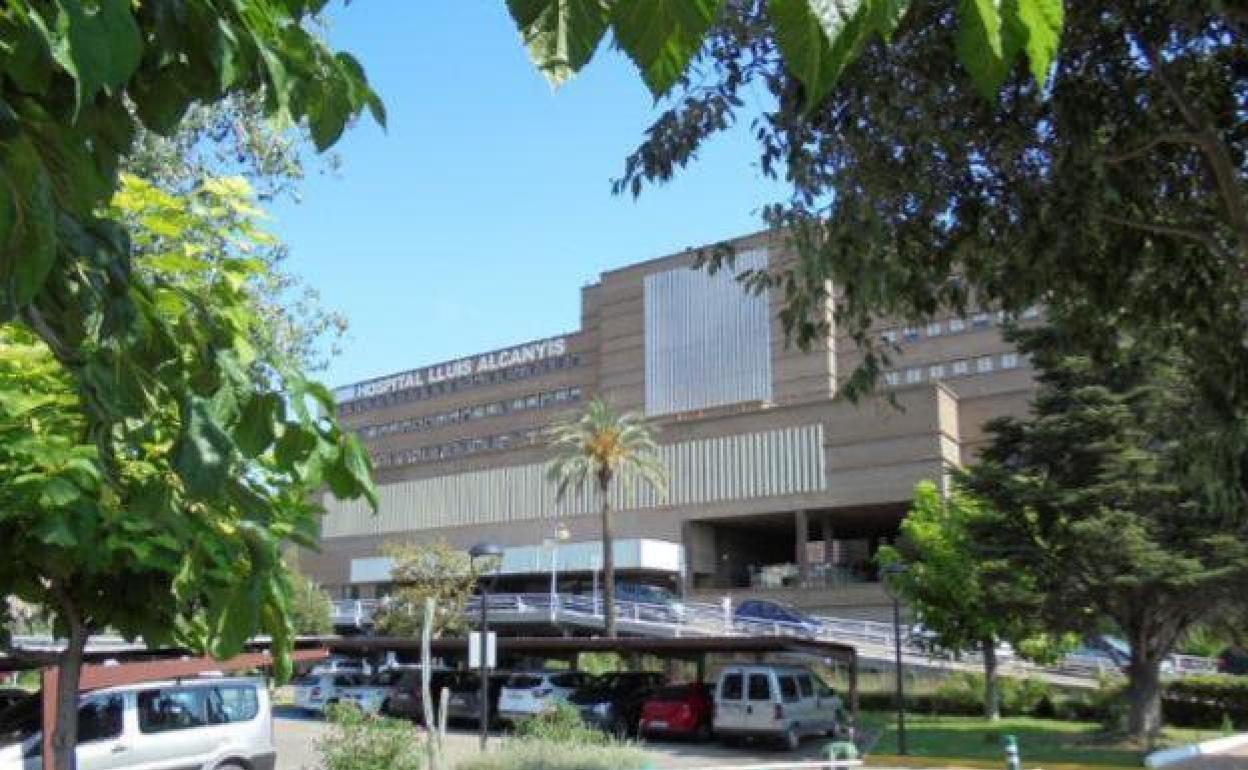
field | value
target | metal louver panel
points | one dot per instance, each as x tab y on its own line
743	466
707	340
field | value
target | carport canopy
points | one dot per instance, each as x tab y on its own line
680	648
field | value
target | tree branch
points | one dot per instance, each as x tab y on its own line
1189	233
1147	147
1225	175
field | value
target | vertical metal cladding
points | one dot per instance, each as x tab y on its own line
784	461
708	340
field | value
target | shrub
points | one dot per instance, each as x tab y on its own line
1206	701
356	741
534	754
1025	697
960	694
563	725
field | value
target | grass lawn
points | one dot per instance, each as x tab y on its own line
1049	742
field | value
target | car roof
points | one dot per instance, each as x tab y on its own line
207	681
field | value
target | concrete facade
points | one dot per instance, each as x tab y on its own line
785	478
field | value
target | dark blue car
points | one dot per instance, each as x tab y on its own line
763	617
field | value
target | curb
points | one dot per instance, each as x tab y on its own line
1179	753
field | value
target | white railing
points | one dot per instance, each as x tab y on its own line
701	618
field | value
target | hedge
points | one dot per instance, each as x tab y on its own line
1204	701
1207	701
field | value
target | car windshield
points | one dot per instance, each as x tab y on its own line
523	682
21	720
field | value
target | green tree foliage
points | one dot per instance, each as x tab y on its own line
1119	184
235	137
310	610
78	82
599	448
197	232
149	479
1122	496
818	39
945	583
428	570
169	528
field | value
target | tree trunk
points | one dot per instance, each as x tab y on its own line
992	696
1144	692
65	737
608	562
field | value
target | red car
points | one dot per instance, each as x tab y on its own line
683	710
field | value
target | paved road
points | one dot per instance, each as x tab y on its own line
1234	759
296	736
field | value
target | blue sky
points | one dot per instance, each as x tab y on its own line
472	222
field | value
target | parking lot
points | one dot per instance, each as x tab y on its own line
297	733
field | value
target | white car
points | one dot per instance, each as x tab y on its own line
526	695
371	694
317	692
785	703
219	723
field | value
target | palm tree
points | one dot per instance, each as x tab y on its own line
603	445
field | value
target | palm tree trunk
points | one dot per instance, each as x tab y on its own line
608	561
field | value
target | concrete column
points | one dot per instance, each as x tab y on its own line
801	530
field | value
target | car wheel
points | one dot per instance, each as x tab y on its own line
229	765
704	732
792	739
619	729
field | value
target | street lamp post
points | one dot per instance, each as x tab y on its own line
485	551
893	570
561	535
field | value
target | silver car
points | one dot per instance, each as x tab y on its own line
220	723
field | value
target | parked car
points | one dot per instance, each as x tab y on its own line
612	702
526	695
785	703
1233	660
1107	653
219	723
371	694
10	696
465	700
339	664
756	614
407	700
646	602
317	692
678	711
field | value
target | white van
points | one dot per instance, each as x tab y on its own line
222	723
785	703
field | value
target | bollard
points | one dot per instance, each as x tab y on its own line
1011	753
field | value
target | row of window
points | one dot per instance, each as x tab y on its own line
976	322
469	413
166	709
963	367
468	382
461	448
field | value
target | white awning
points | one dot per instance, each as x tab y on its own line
630	554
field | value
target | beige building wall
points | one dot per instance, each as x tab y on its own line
951	376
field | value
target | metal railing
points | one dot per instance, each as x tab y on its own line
705	619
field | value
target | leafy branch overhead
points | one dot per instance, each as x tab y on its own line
78	81
818	38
